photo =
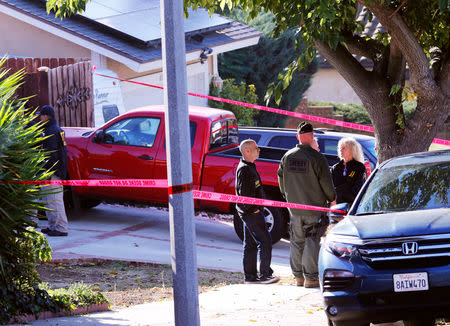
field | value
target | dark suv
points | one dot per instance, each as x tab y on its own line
327	139
388	259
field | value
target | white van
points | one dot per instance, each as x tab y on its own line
108	101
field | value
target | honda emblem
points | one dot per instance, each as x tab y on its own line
410	248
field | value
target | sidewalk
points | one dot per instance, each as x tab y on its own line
240	305
142	235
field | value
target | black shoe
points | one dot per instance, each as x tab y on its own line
268	279
252	281
46	230
55	233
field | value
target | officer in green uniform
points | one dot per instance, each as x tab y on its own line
304	178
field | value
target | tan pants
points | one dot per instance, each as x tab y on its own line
304	251
57	219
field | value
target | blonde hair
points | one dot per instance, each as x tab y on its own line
356	148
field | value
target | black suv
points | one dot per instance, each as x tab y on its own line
327	139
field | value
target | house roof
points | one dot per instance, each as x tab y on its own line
371	29
117	45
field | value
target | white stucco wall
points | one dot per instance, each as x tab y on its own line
19	39
328	85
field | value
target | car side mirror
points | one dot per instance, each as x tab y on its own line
335	217
99	136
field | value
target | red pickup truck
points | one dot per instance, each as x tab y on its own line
132	146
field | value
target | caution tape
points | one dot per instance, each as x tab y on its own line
215	196
334	122
162	183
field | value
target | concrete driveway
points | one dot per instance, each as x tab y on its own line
142	234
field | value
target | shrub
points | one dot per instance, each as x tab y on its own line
356	113
237	91
21	246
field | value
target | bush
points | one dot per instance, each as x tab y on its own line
21	246
356	113
237	91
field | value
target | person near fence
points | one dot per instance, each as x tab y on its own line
349	174
55	145
256	235
304	178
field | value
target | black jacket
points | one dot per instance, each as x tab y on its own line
348	184
55	145
248	183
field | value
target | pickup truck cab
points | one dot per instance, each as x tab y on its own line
132	146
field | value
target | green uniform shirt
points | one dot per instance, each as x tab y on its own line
305	178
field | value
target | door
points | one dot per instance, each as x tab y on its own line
127	150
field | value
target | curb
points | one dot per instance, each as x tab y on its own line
28	318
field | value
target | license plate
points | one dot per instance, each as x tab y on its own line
411	282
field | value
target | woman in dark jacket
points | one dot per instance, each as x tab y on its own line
350	173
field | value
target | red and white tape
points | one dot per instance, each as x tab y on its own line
162	183
279	111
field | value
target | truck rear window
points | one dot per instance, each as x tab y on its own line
224	133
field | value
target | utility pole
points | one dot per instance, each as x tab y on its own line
179	166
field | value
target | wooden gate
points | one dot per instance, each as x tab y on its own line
70	92
64	83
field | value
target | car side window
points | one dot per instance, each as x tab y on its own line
330	146
138	131
244	136
283	142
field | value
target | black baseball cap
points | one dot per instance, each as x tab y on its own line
304	127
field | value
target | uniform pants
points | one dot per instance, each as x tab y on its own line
256	239
304	251
57	219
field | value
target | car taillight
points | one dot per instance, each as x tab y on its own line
368	168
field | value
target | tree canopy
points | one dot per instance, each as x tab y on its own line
413	44
260	65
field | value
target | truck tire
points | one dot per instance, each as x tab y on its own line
274	221
76	202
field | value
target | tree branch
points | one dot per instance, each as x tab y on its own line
360	46
421	76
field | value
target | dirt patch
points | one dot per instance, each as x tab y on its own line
125	284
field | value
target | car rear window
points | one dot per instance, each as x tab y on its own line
223	133
283	142
244	136
407	188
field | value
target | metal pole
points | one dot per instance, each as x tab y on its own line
179	167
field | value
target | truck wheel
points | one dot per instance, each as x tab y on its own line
74	201
274	221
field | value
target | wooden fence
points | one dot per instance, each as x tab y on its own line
64	83
70	92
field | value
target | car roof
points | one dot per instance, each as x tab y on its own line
441	156
318	131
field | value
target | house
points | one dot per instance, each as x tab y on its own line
125	38
327	84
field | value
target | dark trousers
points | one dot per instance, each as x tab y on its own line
256	239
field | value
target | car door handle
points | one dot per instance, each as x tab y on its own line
145	157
